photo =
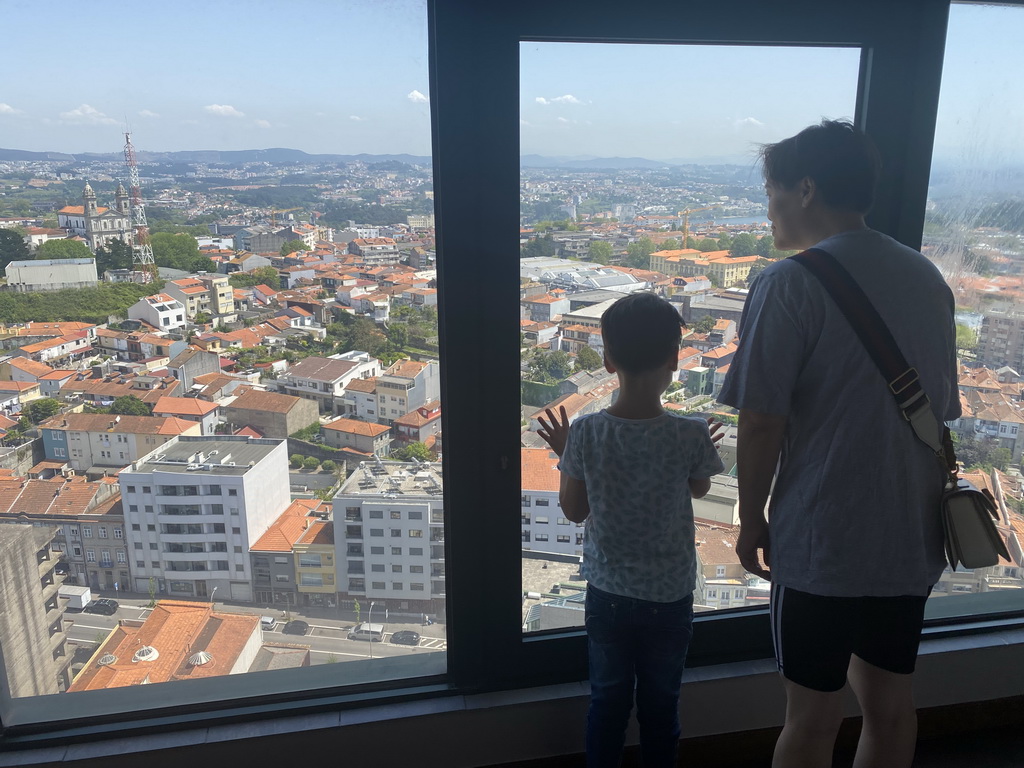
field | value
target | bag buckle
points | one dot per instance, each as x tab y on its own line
897	385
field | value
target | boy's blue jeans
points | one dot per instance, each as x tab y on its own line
642	645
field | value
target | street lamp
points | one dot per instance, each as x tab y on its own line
369	622
211	597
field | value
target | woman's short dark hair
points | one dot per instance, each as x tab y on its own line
641	332
841	159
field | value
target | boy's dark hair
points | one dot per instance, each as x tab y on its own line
641	332
841	159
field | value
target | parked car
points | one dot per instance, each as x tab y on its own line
268	622
104	605
406	637
296	628
372	632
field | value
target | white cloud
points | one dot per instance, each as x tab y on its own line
416	97
356	118
86	115
223	110
7	109
262	123
148	113
564	120
566	99
748	122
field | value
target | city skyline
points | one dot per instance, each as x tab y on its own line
342	92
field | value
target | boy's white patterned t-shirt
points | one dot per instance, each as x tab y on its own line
639	538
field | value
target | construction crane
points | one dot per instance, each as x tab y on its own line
142	251
686	219
274	212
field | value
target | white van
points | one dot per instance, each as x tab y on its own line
372	632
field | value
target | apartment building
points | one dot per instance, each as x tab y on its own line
272	413
160	310
1001	338
405	386
34	652
273	554
323	379
99	441
390	539
207	293
315	573
544	527
196	505
360	436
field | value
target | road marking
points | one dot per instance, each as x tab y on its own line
341	653
87	626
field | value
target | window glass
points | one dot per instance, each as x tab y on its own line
630	181
974	233
350	191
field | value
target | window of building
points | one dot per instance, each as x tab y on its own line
90	556
376	532
396	533
102	531
119	533
397	586
396	514
415	533
376	514
416	551
87	531
377	568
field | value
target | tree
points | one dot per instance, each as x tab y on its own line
412	451
129	405
296	460
178	251
724	242
671	245
201	318
638	254
267	276
966	338
12	247
329	466
63	249
545	247
42	409
294	245
599	252
310	462
705	324
398	334
744	244
765	247
705	245
116	254
588	359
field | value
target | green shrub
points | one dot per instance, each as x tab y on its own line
328	466
310	462
296	460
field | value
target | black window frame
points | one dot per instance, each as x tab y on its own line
474	92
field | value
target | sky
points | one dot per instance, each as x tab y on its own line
350	76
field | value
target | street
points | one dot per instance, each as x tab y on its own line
327	637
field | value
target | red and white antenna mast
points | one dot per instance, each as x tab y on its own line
142	251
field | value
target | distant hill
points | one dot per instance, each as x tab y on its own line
229	157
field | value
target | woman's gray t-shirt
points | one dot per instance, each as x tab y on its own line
855	507
639	539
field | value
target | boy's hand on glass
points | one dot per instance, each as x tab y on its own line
554	431
716	429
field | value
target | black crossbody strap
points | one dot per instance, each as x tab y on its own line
904	383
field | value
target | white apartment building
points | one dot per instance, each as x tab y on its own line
544	527
324	379
159	310
194	507
406	385
389	536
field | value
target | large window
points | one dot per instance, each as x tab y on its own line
637	175
349	197
974	232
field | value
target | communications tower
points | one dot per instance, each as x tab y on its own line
142	251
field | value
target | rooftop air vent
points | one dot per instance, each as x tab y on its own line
146	653
106	660
199	658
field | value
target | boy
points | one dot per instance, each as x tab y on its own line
630	472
